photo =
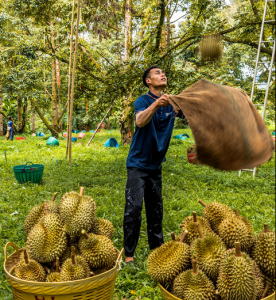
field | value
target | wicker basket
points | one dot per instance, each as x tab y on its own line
169	296
100	287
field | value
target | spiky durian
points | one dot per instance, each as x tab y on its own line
67	253
74	268
98	250
37	213
259	282
54	276
193	285
237	278
77	211
208	251
100	271
233	229
215	213
168	260
190	224
103	227
47	239
29	269
264	251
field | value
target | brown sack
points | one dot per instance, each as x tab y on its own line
7	135
228	130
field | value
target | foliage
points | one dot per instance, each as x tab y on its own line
102	172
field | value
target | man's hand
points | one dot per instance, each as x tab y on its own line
163	101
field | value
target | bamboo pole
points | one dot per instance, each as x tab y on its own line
69	77
72	84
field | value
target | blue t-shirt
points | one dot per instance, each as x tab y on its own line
10	123
150	143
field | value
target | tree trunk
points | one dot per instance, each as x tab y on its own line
127	120
19	113
1	107
168	30
54	87
24	117
33	119
58	93
160	25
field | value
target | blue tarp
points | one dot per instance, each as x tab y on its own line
74	139
52	141
112	143
182	137
40	134
92	131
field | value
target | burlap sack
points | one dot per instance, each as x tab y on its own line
228	130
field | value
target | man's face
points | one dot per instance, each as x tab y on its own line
157	78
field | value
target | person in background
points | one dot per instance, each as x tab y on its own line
154	118
10	128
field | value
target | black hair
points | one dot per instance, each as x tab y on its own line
146	74
10	118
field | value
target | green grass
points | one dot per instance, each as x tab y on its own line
102	172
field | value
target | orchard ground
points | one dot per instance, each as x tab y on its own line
102	172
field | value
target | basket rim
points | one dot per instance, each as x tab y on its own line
176	298
45	284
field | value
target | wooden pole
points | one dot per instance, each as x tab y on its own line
72	84
69	76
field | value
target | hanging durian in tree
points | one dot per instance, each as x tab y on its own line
190	224
103	227
234	229
208	251
98	250
264	251
237	276
37	212
193	285
29	269
77	211
47	239
54	276
210	48
168	260
74	268
215	213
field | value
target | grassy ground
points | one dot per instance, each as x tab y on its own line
102	172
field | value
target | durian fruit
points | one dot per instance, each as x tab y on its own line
37	213
103	227
47	239
193	285
192	149
264	251
190	224
54	276
210	48
259	282
77	211
168	260
74	268
29	269
98	250
67	253
237	278
215	213
208	251
234	229
100	271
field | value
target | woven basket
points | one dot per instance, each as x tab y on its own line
169	296
100	287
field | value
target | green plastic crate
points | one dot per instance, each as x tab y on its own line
28	173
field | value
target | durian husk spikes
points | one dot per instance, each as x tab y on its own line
46	210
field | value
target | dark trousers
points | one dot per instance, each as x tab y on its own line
147	185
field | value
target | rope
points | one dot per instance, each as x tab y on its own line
228	83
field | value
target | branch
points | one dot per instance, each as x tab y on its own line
252	44
4	115
160	25
255	10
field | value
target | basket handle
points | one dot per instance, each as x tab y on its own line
6	248
28	163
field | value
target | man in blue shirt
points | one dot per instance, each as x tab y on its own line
10	128
154	117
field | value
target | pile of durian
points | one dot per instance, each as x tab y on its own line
192	149
66	241
216	256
